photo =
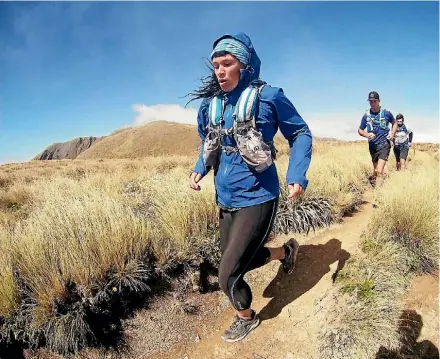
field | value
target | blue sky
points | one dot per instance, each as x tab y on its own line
70	69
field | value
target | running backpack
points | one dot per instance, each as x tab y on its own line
373	123
402	135
257	154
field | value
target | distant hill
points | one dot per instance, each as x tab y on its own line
159	138
427	147
153	139
67	150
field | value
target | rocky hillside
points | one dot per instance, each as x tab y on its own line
160	138
67	150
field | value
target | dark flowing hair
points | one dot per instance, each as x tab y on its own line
209	87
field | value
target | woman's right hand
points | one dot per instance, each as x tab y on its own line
193	180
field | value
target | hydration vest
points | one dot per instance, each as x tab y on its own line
402	136
373	122
257	154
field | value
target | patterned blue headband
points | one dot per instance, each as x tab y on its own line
235	48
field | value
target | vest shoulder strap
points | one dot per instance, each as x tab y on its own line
245	107
215	111
247	104
381	114
368	114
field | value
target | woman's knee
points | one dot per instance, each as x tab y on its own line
224	279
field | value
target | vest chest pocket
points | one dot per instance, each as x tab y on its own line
257	154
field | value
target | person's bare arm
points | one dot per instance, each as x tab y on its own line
366	134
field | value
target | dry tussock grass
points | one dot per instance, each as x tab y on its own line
86	233
78	243
409	203
92	232
8	287
333	176
401	241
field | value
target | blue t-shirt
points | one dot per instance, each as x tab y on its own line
380	127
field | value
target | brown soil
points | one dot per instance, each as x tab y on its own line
423	298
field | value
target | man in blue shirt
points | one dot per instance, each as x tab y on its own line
374	126
402	142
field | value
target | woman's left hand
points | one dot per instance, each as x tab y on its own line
295	191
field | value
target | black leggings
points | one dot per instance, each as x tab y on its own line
243	234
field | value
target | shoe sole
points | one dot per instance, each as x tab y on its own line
295	254
252	327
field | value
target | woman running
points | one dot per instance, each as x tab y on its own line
237	126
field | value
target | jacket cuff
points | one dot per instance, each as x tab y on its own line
302	181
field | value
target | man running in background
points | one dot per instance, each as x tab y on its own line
402	142
374	126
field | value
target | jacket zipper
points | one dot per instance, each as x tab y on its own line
222	123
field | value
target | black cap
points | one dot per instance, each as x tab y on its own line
373	95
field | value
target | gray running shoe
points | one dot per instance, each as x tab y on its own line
291	247
240	328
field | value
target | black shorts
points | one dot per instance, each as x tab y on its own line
400	153
381	153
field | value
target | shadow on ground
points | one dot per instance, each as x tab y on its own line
410	327
11	350
313	262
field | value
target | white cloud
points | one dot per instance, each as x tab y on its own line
325	125
164	112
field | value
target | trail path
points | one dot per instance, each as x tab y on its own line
286	304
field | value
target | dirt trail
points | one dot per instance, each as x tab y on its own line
286	304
